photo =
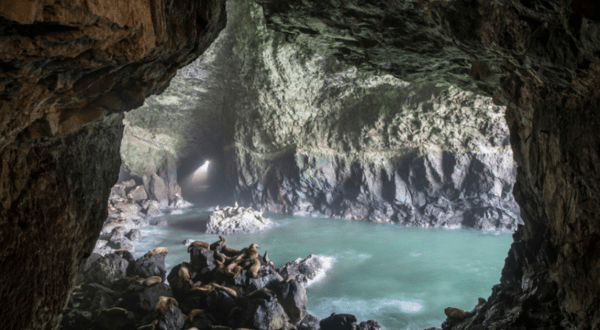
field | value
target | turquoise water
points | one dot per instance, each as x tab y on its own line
403	277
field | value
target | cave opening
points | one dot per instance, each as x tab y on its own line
426	167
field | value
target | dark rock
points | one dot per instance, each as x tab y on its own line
142	299
261	313
76	319
146	267
106	270
309	322
292	297
120	243
369	325
202	259
171	319
114	318
338	322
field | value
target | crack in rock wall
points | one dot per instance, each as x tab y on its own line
67	72
540	58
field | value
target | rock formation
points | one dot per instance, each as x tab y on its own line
305	134
540	59
237	220
67	71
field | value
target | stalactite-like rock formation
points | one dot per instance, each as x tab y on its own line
67	70
540	58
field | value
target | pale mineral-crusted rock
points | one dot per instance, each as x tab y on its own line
303	269
237	220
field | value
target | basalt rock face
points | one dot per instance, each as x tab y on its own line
67	71
313	135
548	79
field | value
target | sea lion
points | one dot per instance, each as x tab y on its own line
193	313
480	302
220	256
204	290
253	271
226	250
455	313
164	303
221	241
151	326
197	284
250	252
119	252
267	260
263	293
150	281
230	267
115	311
184	272
158	250
236	271
197	244
229	291
290	278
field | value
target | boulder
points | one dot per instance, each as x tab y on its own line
157	189
106	270
143	299
237	220
138	194
161	223
338	322
146	267
292	297
135	235
303	269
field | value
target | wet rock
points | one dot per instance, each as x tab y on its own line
135	235
303	270
161	223
237	220
338	322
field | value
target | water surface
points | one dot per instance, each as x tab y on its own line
403	277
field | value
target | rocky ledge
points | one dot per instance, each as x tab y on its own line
130	206
220	288
232	220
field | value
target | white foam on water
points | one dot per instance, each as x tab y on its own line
327	262
365	309
415	254
353	255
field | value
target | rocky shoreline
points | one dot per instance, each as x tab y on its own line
231	220
219	288
130	207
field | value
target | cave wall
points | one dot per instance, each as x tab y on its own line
540	58
304	133
67	72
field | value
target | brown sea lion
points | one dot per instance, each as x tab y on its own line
193	313
203	290
164	303
151	326
253	270
197	244
290	278
455	313
263	293
480	302
184	272
221	241
226	250
220	256
250	252
229	291
158	250
119	252
150	281
236	271
197	284
114	311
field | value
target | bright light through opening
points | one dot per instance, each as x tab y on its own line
202	169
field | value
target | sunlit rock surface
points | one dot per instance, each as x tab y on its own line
231	220
67	70
306	134
548	79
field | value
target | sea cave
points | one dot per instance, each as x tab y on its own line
299	165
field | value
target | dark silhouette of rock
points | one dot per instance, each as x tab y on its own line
106	270
146	267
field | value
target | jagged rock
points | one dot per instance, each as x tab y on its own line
261	313
369	325
138	194
292	297
135	235
309	322
155	185
142	299
338	322
153	211
146	267
106	270
303	270
237	220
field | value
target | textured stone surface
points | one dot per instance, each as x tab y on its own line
303	133
63	65
549	75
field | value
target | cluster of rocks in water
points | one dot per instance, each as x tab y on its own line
129	208
220	288
236	219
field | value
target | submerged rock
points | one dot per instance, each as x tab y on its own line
237	220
